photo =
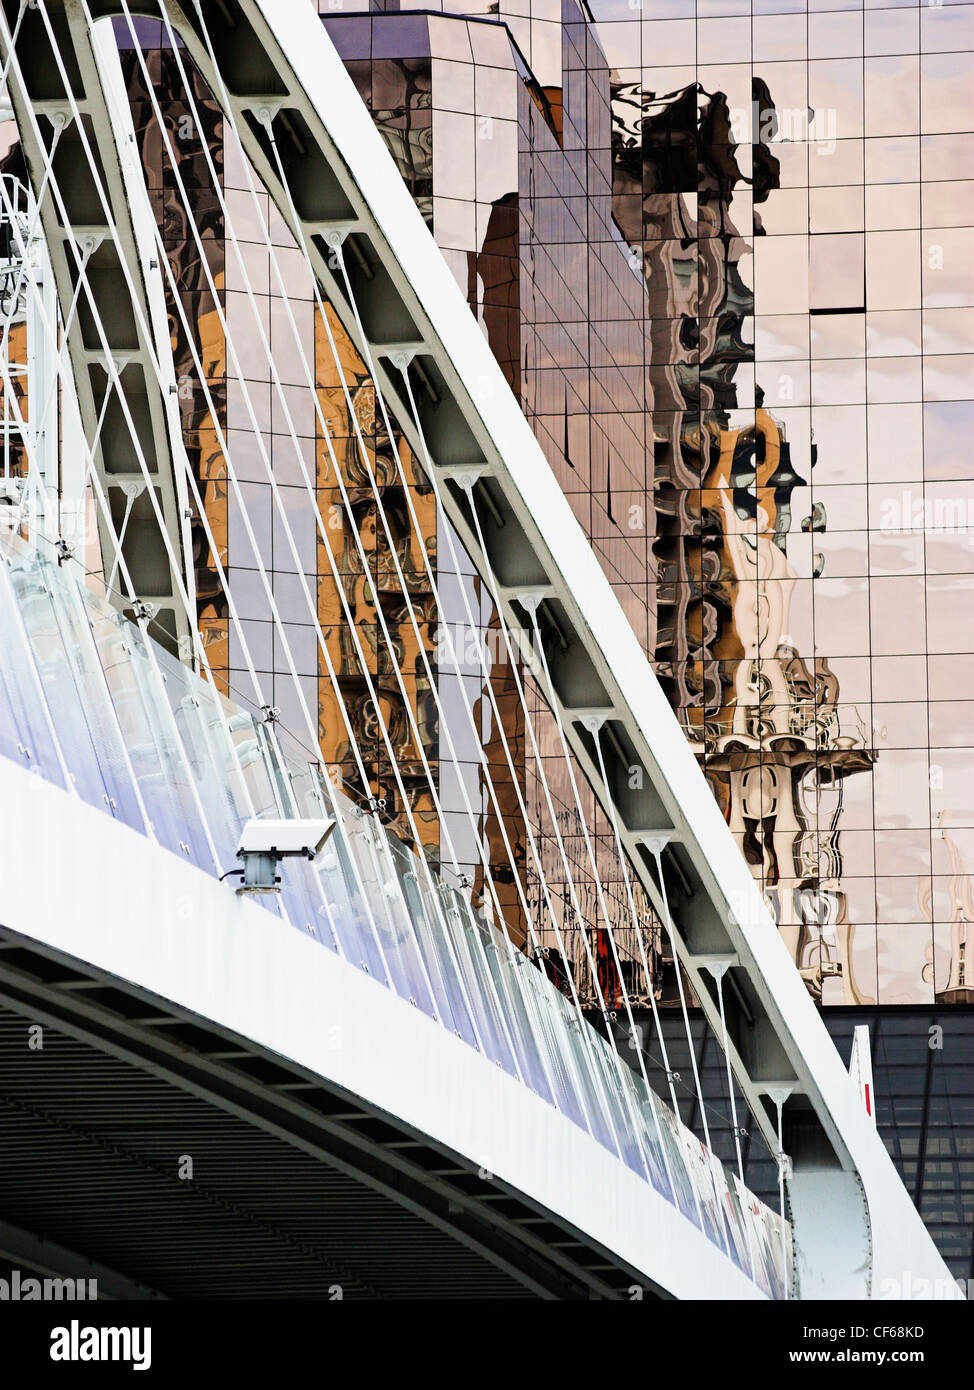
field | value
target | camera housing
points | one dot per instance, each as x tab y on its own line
265	842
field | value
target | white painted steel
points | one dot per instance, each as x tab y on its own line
195	943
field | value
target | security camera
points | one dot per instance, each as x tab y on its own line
285	838
264	843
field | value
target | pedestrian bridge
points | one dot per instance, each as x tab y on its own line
366	1083
366	972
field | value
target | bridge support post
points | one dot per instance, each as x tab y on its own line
831	1231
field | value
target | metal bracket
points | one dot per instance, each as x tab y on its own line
532	599
401	354
592	719
655	840
717	966
465	478
264	108
335	234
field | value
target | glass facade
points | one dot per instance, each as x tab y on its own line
762	443
765	443
802	189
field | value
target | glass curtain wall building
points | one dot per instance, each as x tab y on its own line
815	618
793	183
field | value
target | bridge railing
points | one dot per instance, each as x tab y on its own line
89	701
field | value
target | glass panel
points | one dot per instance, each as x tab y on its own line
548	1029
361	929
469	952
156	758
25	737
94	696
434	947
521	1033
57	674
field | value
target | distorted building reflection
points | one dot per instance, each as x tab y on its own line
762	717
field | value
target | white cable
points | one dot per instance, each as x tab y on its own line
282	511
143	625
593	864
363	450
115	382
488	686
718	970
532	608
146	820
779	1094
60	124
10	38
719	977
26	434
529	725
61	373
110	367
482	845
392	548
637	929
656	848
130	497
25	237
366	463
261	700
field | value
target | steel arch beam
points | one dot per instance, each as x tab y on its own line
231	1077
22	1247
